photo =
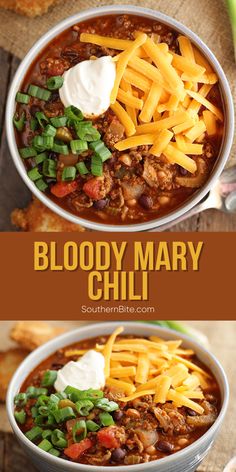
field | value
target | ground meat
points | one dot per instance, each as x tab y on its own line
158	174
54	66
114	133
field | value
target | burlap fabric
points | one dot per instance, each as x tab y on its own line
222	335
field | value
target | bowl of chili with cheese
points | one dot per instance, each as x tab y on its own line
120	118
135	397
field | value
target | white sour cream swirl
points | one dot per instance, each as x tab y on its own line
88	86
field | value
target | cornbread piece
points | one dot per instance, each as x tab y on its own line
31	334
9	361
37	218
28	7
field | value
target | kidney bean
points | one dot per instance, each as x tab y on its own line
165	446
118	454
117	415
191	412
34	109
182	171
146	201
100	204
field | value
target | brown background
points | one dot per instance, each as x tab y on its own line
207	18
208	293
221	335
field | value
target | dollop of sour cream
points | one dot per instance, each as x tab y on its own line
87	372
88	86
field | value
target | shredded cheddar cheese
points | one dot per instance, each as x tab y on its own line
157	90
136	367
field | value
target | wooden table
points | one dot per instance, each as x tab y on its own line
14	192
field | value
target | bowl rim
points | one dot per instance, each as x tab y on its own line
63	340
226	95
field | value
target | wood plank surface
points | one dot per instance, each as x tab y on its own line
14	193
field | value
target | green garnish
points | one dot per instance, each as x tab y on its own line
106	419
20	416
22	98
59	121
100	150
49	170
34	174
27	152
81	167
86	131
45	445
79	431
19	122
41	143
96	166
34	433
54	83
58	439
41	118
50	376
73	113
49	131
84	407
41	185
78	146
38	92
68	174
60	149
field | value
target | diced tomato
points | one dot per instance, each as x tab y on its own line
75	450
107	437
61	189
92	188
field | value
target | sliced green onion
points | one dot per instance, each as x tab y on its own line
19	122
60	149
54	452
46	434
64	414
78	146
106	419
22	98
34	392
41	118
45	445
20	416
51	420
86	131
39	92
34	433
49	131
43	411
73	113
54	83
59	121
58	439
100	150
232	15
40	421
40	158
75	394
34	411
41	143
79	431
34	174
84	407
81	167
49	170
27	152
56	397
50	376
106	405
20	399
68	174
41	185
96	166
92	426
33	124
43	400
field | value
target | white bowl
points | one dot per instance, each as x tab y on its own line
186	460
147	13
